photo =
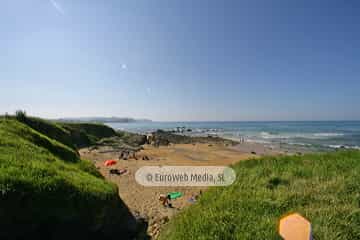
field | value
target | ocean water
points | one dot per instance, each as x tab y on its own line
305	135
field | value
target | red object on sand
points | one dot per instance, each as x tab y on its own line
109	162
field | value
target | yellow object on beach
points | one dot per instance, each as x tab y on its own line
295	227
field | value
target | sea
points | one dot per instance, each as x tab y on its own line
290	135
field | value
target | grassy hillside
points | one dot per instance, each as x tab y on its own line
48	192
73	135
85	134
325	188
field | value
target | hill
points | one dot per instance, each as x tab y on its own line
48	192
322	187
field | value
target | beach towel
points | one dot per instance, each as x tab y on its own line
109	162
175	195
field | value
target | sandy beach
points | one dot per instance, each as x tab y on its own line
144	201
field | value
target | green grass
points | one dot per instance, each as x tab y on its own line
325	188
73	135
19	131
45	186
52	130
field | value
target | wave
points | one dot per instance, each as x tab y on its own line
328	134
300	144
343	146
268	135
257	141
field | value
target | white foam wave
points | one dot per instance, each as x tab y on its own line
267	135
257	141
343	146
328	134
300	144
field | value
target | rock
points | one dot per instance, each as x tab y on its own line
127	154
164	138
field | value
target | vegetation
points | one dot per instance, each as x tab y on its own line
86	134
47	191
73	135
324	188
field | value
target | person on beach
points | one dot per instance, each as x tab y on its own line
165	200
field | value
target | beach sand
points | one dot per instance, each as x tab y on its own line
144	201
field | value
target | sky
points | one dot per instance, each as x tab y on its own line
181	60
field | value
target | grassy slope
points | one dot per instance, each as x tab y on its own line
73	135
325	188
85	134
43	182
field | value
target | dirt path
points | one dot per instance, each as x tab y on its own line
143	201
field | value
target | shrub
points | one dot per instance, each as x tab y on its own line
20	115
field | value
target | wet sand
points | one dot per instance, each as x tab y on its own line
144	201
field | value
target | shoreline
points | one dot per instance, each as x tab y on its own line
292	136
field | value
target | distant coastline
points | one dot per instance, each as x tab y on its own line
103	120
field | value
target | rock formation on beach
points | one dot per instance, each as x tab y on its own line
164	138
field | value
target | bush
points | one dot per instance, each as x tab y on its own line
20	115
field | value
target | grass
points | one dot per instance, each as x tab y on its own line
52	130
73	135
324	188
45	186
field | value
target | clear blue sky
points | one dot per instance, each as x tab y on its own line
181	60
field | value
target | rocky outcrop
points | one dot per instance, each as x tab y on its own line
164	138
